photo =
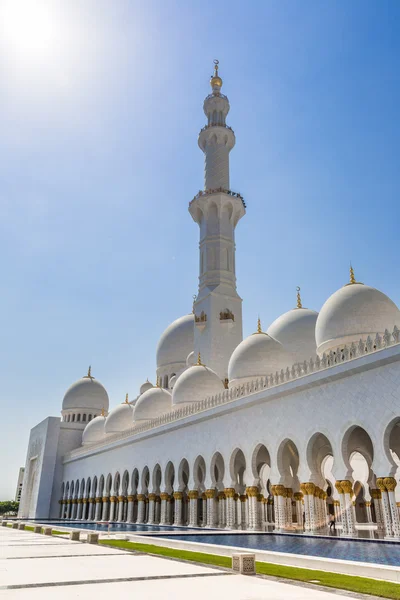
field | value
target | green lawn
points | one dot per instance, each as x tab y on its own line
361	585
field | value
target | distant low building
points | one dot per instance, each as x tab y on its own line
18	491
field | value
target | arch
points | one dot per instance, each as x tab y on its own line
288	463
183	475
145	480
156	479
359	502
169	477
72	489
82	488
259	459
94	488
125	483
134	481
108	484
237	467
101	485
356	439
117	481
78	417
62	490
318	449
199	473
84	418
217	471
88	487
391	441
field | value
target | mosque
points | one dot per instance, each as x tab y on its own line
278	431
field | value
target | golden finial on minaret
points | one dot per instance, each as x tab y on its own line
299	304
126	399
199	363
216	81
352	276
194	300
259	328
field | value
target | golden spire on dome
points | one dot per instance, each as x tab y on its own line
199	363
216	81
299	304
259	328
103	414
89	373
352	277
126	399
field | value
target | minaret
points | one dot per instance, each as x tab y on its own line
217	210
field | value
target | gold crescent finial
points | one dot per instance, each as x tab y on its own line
352	276
89	373
194	300
199	363
299	304
216	63
126	399
103	412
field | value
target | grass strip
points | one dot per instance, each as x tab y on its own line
351	583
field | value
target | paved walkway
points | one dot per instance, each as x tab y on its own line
34	567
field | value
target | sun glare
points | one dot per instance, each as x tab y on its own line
27	27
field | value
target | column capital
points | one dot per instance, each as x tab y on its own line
141	497
230	492
152	497
298	496
210	494
164	496
131	498
338	486
252	491
193	494
375	494
105	498
178	495
380	484
243	498
121	498
346	486
97	500
280	490
289	493
390	483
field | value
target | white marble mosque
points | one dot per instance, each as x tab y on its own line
279	430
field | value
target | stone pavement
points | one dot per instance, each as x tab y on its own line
34	567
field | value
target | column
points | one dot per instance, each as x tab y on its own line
84	512
60	511
390	484
270	509
104	516
368	509
298	497
317	507
129	514
79	511
69	508
164	517
342	505
336	511
260	511
221	509
306	499
113	501
141	508
289	515
252	493
157	509
193	496
349	512
230	507
152	509
92	509
178	496
243	510
97	511
204	498
210	494
121	500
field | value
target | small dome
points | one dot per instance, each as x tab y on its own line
152	404
257	356
172	381
86	394
354	312
176	342
145	386
295	330
190	359
120	418
195	384
94	431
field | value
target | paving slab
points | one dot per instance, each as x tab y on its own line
52	550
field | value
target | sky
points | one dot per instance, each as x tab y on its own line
100	108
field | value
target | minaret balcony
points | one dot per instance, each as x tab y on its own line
205	193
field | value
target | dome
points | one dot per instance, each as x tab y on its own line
152	404
190	359
86	394
120	418
176	342
257	356
354	312
295	330
195	384
94	431
145	386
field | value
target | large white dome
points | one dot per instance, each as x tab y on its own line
176	342
195	384
94	431
120	418
257	356
152	404
354	312
295	330
86	394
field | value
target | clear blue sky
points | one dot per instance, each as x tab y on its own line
99	116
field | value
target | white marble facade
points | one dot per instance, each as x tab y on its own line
280	429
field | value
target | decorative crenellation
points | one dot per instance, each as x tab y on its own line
297	371
226	315
202	193
201	318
